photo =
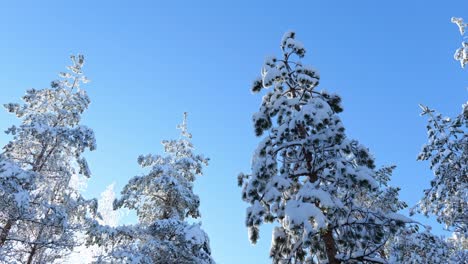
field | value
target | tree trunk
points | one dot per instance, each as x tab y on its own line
32	253
39	235
5	231
330	247
34	248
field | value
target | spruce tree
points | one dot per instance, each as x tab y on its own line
318	186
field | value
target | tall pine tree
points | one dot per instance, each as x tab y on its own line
48	144
447	152
163	200
446	198
308	177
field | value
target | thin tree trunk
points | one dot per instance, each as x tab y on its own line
34	248
5	230
39	235
32	253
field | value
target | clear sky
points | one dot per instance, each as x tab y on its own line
151	61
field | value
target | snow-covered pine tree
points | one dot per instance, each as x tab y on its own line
447	151
318	185
49	144
447	197
410	246
458	246
461	54
163	200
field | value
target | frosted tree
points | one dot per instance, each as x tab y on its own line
49	144
458	245
447	152
316	184
447	197
163	200
410	246
15	197
107	217
461	54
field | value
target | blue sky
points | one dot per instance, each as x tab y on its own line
151	61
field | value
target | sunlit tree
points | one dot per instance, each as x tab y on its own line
317	185
48	145
163	200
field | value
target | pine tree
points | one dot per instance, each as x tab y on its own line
461	54
49	144
316	184
458	246
163	200
410	246
447	152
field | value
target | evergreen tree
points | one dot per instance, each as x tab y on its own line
316	184
163	200
48	145
458	245
410	246
461	54
447	152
